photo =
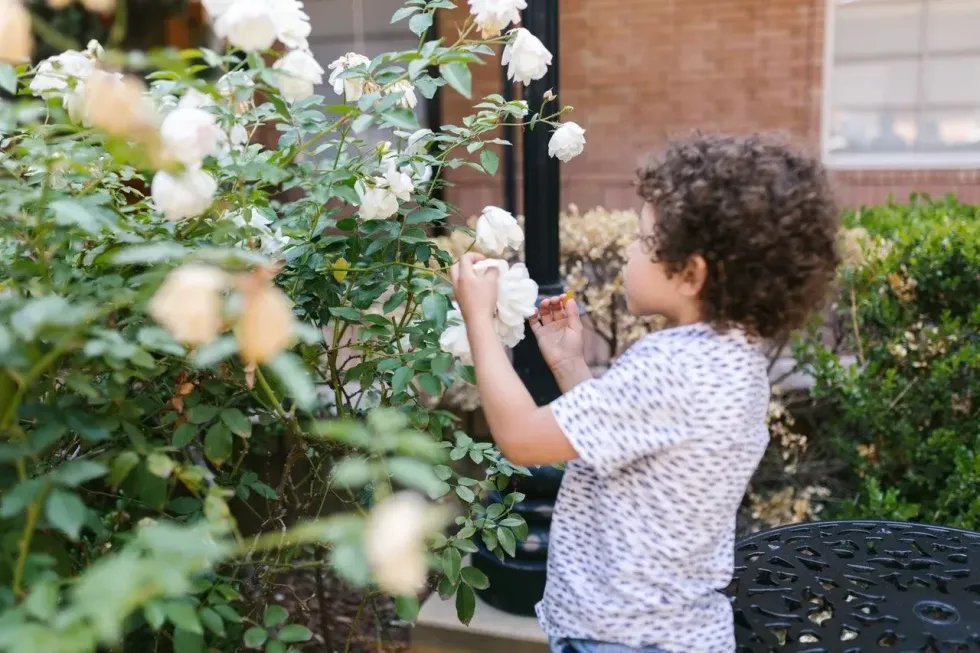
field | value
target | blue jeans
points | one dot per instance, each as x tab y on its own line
588	646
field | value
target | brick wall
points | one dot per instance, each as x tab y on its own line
641	71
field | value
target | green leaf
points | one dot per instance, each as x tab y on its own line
42	601
275	646
488	159
201	413
420	23
465	604
218	444
8	78
495	510
346	313
255	637
434	308
489	539
182	615
352	473
235	420
122	466
430	384
446	588
152	253
458	76
403	13
212	621
92	219
77	472
451	563
507	541
66	512
465	494
423	215
400	380
228	613
183	435
414	473
291	372
407	608
188	642
14	500
295	633
274	615
214	352
475	578
154	615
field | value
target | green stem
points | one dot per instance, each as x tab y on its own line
24	544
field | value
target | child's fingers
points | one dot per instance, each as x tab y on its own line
571	310
548	308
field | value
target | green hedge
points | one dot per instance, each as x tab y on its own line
906	416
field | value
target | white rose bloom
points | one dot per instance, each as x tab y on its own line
416	143
238	136
517	293
195	99
453	339
492	16
408	98
292	24
94	49
190	134
248	25
16	33
567	142
351	88
396	181
248	218
273	243
526	57
299	72
184	195
375	203
58	75
394	542
217	7
188	303
509	335
497	230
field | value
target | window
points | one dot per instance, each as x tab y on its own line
902	84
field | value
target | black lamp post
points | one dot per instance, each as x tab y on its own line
517	584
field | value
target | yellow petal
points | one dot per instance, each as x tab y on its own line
265	327
340	267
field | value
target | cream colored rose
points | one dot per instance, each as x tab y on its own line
492	16
247	24
567	142
298	74
182	195
188	303
350	88
16	33
265	326
394	542
408	99
375	203
453	339
526	57
497	230
114	103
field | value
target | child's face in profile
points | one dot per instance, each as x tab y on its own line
650	290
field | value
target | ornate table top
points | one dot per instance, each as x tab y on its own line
858	586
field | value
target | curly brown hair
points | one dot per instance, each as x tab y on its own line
762	215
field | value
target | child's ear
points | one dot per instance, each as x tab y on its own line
693	276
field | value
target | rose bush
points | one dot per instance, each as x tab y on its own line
214	354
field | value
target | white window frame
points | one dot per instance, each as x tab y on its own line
871	160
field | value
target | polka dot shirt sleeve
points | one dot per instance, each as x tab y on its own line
632	411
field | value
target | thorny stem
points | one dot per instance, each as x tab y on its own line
24	544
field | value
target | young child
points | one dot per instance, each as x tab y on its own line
736	248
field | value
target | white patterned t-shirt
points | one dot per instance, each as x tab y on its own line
642	539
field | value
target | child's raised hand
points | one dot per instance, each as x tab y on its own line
559	332
476	292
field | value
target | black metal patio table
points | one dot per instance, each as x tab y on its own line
858	586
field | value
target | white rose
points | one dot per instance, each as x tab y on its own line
99	6
375	203
274	243
217	7
526	56
299	72
394	542
59	74
248	25
453	339
492	16
188	303
408	98
16	32
509	335
497	230
396	181
350	88
252	217
567	142
195	99
190	134
517	293
184	195
292	24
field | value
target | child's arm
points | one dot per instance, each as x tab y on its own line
525	433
